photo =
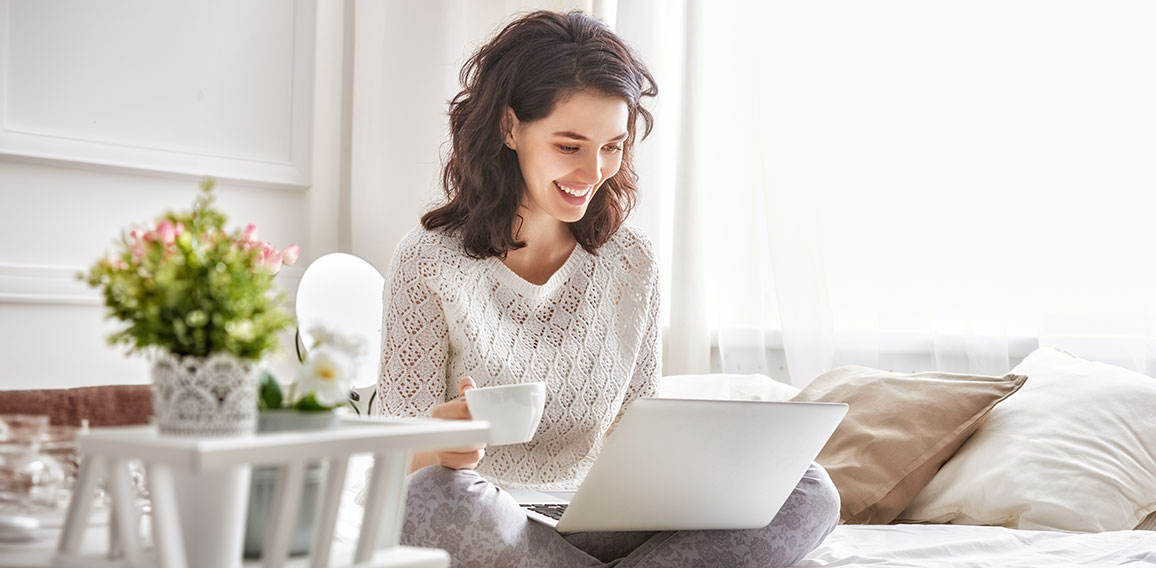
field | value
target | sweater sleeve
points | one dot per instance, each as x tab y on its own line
648	361
648	364
414	339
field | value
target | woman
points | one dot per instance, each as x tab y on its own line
529	273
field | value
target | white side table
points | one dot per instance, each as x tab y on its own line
107	451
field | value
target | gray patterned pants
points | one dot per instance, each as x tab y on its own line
483	526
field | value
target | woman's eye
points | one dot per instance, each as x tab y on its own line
568	149
613	148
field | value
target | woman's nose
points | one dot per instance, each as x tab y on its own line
590	170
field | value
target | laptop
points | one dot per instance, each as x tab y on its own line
675	464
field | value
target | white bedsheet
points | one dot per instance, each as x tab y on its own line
959	546
908	546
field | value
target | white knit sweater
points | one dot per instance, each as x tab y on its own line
590	332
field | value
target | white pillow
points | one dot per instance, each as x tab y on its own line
1073	450
725	387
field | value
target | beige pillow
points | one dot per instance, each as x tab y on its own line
899	430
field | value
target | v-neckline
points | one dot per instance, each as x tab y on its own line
507	275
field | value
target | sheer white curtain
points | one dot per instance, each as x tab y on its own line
916	185
742	258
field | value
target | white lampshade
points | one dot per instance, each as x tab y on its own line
342	293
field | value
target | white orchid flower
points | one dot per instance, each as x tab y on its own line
328	374
353	346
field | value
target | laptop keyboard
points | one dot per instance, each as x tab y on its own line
552	510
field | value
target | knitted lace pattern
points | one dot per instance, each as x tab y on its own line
591	333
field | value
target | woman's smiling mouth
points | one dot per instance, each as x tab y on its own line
574	195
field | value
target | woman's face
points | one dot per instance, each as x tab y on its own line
566	156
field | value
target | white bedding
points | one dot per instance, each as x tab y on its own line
910	546
960	546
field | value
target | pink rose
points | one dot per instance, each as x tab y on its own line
250	234
290	254
166	232
272	260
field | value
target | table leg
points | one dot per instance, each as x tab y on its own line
168	542
331	501
212	506
114	549
393	506
379	526
286	495
80	506
127	522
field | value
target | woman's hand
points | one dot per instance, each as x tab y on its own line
458	458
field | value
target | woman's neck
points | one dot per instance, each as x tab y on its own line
549	243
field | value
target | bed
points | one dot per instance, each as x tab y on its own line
1051	465
960	546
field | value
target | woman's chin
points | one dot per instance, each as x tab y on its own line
572	217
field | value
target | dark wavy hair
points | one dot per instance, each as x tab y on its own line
534	62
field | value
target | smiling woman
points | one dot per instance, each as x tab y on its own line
529	273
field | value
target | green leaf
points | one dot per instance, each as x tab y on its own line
309	404
270	395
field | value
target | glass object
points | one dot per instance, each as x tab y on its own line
30	480
141	499
60	443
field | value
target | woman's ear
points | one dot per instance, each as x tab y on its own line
509	125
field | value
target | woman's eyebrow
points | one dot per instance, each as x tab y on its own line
576	136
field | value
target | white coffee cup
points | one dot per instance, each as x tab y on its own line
513	411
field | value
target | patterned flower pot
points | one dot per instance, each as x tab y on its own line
210	396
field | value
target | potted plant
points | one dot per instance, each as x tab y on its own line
321	386
201	300
322	383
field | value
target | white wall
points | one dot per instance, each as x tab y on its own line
323	122
111	114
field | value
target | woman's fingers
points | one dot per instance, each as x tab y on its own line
456	409
452	410
465	384
461	459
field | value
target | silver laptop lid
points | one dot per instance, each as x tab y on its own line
674	464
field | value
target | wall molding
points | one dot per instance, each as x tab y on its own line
47	284
92	152
44	284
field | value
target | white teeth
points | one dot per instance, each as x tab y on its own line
575	193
